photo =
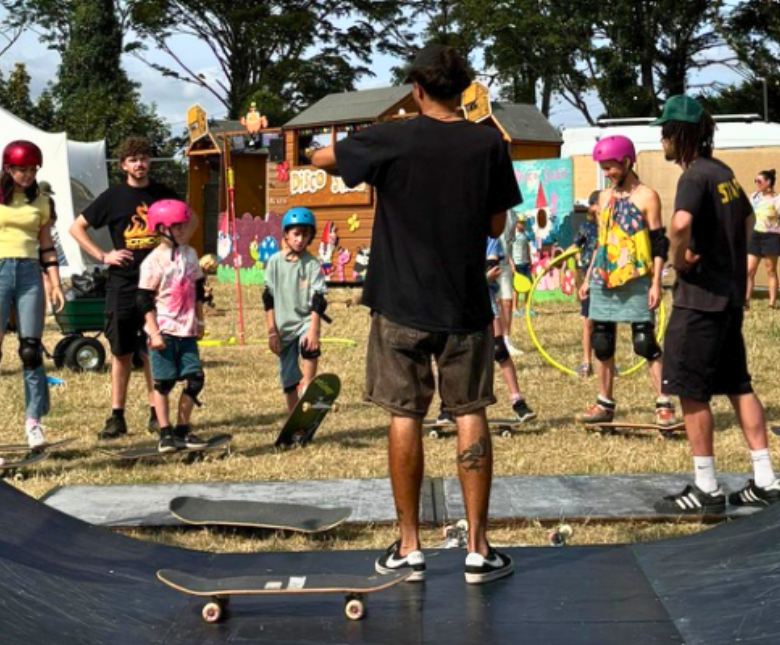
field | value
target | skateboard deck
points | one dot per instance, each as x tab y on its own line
14	468
318	399
619	427
47	447
221	441
285	517
353	588
501	427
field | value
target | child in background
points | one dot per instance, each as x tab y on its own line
170	295
294	301
208	264
521	258
586	240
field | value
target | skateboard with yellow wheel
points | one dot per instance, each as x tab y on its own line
318	399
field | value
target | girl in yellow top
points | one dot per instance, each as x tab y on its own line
624	277
25	247
765	241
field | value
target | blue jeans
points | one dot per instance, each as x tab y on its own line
21	284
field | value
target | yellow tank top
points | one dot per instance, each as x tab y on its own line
20	225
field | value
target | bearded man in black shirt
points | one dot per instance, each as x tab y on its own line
705	349
443	186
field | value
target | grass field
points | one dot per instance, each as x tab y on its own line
242	397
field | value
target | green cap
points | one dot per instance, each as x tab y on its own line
680	108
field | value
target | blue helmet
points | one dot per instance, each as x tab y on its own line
298	216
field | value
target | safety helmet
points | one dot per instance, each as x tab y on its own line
298	216
167	212
614	148
22	153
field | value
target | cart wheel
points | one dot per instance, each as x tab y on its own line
212	612
434	434
60	349
306	407
85	355
355	608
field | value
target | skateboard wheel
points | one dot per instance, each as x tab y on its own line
19	477
355	608
298	436
463	525
306	407
434	434
335	407
506	433
212	612
565	530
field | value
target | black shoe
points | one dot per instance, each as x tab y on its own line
115	428
753	495
167	441
481	569
445	418
692	501
392	562
523	412
185	439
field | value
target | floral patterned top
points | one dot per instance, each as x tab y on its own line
624	251
767	210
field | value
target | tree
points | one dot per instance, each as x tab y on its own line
284	54
16	94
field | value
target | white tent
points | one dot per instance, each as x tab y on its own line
77	173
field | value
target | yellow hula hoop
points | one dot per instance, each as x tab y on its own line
660	321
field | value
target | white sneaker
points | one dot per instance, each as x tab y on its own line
35	436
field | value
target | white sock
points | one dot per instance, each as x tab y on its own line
763	475
508	341
705	474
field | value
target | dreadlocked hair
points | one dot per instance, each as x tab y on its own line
7	189
690	140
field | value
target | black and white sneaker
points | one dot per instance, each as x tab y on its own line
184	438
481	569
445	418
522	411
392	561
167	441
692	501
753	495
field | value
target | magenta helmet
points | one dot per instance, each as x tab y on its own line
167	212
614	148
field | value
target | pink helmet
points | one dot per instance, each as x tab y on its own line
614	148
167	212
22	153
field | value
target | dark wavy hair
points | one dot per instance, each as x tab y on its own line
444	75
770	176
7	189
134	146
691	139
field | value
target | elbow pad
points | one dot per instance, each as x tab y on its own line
659	244
268	300
318	305
144	300
200	290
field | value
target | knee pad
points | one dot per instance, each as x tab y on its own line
645	344
603	340
500	351
31	353
164	387
194	386
310	354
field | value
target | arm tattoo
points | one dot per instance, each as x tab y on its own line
471	458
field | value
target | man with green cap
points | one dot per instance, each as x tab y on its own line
704	347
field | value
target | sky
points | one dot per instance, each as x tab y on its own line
173	98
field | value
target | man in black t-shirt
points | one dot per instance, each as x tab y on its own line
123	210
704	347
443	185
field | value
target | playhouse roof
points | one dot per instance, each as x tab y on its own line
351	107
524	122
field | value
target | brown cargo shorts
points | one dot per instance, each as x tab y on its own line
400	375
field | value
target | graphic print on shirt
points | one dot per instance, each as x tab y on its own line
138	237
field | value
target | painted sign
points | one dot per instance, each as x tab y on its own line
197	123
475	102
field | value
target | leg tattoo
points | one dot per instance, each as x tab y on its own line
471	458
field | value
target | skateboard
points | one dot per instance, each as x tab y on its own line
620	427
285	517
318	399
14	468
501	427
219	590
456	536
47	447
221	441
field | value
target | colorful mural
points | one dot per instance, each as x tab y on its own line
257	239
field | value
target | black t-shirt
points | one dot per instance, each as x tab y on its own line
710	192
123	210
438	183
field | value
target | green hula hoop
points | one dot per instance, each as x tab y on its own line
660	326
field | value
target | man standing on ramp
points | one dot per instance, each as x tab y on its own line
443	184
705	348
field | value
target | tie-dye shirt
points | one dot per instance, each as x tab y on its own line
767	210
174	281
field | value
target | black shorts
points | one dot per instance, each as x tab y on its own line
585	307
704	354
764	245
124	324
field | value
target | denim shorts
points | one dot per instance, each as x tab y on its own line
177	361
400	376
